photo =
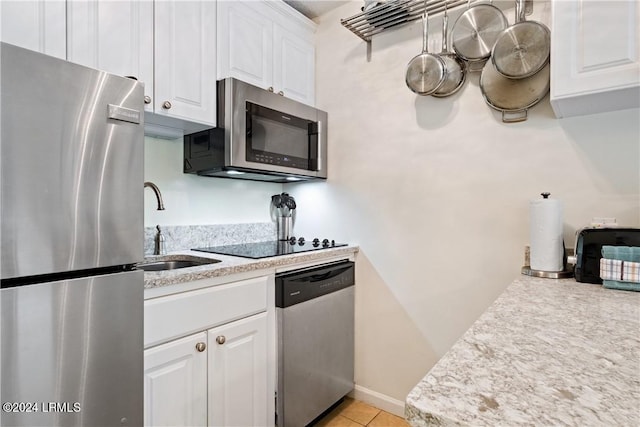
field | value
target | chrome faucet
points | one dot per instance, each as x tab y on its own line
156	190
159	248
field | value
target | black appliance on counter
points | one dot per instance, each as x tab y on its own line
272	248
589	243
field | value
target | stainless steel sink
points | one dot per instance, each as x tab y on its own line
172	264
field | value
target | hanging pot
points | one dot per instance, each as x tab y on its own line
522	49
425	72
456	72
475	32
513	97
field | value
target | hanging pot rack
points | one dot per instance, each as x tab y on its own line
393	14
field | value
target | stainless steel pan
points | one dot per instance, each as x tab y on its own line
425	72
475	32
513	97
522	49
456	73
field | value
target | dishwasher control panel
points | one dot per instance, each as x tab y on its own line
298	286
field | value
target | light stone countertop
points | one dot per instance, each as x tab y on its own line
546	353
229	265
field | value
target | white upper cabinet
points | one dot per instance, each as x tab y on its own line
38	25
113	36
595	56
294	64
269	45
169	45
185	60
245	43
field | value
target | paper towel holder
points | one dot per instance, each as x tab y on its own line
566	273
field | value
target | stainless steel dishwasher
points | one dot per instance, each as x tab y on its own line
315	329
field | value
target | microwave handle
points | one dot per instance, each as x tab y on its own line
319	145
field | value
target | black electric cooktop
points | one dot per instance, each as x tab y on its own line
272	248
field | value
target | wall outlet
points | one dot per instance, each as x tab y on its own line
601	222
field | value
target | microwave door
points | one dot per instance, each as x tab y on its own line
279	139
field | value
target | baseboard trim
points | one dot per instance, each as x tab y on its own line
379	400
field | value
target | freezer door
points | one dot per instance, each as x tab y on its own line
71	164
72	352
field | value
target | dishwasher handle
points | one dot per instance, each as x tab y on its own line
328	275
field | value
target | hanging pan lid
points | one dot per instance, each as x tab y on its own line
476	30
522	49
513	96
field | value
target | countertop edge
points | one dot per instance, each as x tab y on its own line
231	265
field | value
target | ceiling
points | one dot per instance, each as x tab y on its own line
314	8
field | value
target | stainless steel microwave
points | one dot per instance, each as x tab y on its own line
260	136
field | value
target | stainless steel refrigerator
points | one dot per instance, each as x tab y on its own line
71	232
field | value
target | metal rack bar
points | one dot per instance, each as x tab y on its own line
397	13
391	14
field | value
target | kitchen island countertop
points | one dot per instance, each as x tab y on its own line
547	352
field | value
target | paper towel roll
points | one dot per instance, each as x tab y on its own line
546	241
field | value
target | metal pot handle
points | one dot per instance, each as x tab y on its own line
445	27
472	69
520	11
516	116
425	28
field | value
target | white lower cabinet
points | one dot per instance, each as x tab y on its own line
175	383
208	360
238	373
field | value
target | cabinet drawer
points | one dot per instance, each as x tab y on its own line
178	315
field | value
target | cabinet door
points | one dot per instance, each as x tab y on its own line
595	56
245	43
175	383
38	25
185	60
294	64
113	36
238	373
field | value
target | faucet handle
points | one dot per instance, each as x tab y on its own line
159	243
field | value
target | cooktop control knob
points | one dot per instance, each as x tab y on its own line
301	241
325	243
316	242
292	240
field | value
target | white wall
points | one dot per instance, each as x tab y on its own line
436	192
196	200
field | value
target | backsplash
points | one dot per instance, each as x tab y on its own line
182	237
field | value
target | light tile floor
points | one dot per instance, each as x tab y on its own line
354	413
